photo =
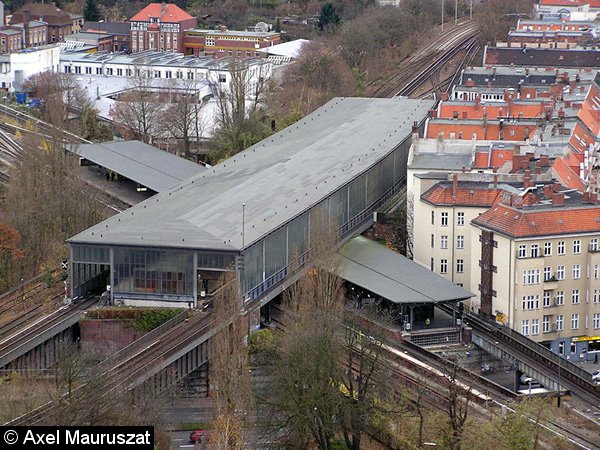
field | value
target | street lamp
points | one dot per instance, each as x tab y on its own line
559	358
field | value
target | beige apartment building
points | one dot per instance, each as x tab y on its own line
442	234
536	267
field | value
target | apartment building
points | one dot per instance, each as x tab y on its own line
442	231
535	264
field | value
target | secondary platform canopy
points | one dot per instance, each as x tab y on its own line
388	274
142	163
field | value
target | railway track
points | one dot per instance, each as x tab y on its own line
46	326
133	366
428	59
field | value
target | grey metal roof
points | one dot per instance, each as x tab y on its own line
392	276
142	163
278	179
445	161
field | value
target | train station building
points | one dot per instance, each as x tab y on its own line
256	212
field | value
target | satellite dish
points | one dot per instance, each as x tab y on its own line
261	27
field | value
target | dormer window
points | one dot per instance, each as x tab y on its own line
154	20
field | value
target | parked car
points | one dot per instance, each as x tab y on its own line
198	436
596	377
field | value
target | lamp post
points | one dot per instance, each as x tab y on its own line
559	358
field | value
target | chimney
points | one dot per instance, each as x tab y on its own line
26	20
586	197
495	180
163	7
527	183
223	28
454	185
415	127
594	198
558	199
548	191
463	169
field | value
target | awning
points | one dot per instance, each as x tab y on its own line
388	274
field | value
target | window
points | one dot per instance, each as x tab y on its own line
522	251
444	242
573	347
460	219
460	241
547	298
67	69
559	323
560	298
576	247
560	273
157	74
128	72
596	271
575	296
109	71
535	250
168	74
525	327
561	348
88	70
444	219
596	321
531	302
432	217
119	72
531	276
210	41
576	272
179	75
596	295
190	75
535	327
546	324
432	240
594	245
98	70
560	247
460	265
432	267
443	266
547	248
547	273
77	69
574	321
222	78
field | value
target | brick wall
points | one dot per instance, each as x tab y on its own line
107	336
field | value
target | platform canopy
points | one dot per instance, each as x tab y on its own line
140	162
388	274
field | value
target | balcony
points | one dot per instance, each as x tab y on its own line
551	283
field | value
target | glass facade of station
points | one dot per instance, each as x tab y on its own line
180	275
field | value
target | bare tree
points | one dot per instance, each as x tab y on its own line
60	94
229	371
241	86
182	116
138	110
457	408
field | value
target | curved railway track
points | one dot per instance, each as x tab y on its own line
428	59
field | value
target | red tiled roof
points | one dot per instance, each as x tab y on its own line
481	160
501	157
171	13
527	223
580	138
566	175
442	195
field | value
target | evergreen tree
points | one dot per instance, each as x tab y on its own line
91	13
277	26
329	16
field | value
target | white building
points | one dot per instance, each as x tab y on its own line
17	67
165	66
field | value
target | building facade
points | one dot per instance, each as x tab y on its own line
228	43
59	22
160	27
539	268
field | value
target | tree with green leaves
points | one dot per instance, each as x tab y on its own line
94	130
329	17
91	13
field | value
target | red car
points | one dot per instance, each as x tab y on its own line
198	436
